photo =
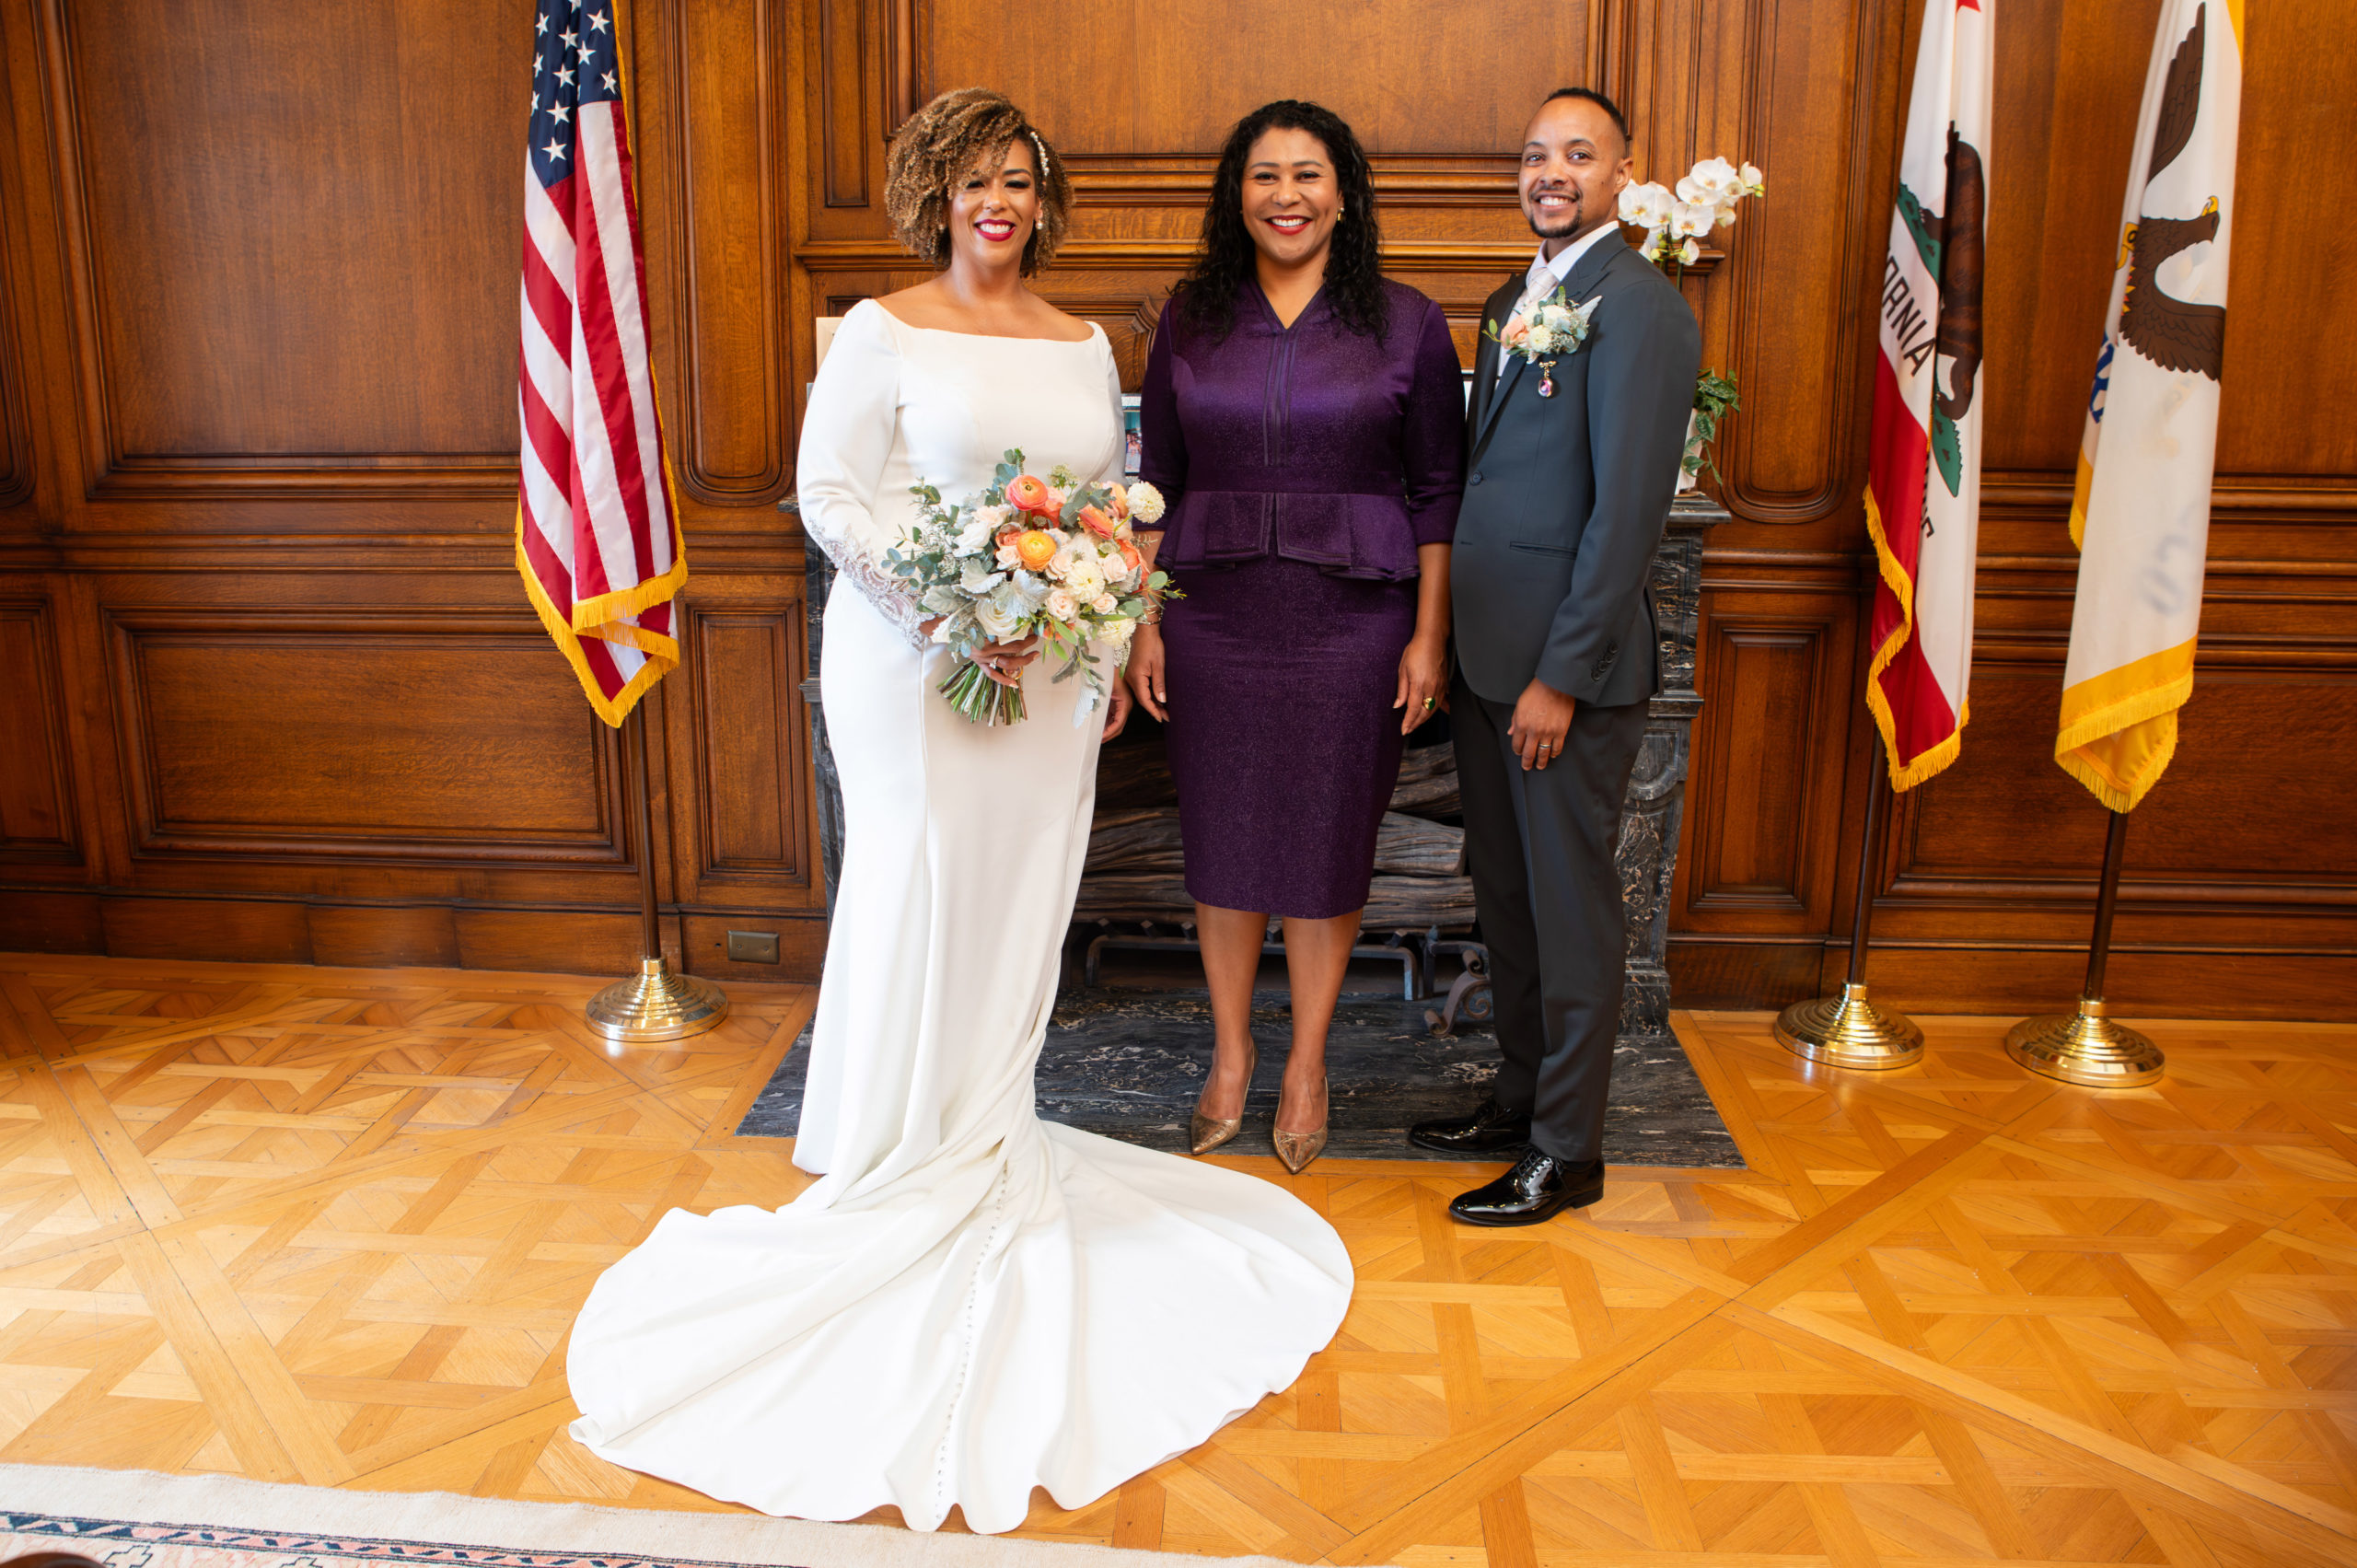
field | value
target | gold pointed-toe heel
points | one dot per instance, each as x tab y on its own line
1205	1133
1208	1132
1297	1149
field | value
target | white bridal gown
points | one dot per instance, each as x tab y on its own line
973	1302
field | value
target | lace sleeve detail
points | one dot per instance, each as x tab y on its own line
887	593
846	437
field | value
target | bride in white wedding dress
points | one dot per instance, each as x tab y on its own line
971	1302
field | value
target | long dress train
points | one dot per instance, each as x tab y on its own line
971	1302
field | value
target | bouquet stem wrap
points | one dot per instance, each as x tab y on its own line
972	692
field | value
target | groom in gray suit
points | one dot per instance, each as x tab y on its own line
1575	455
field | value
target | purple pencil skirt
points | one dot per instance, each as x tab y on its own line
1283	737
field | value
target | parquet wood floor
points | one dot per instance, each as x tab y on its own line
332	1226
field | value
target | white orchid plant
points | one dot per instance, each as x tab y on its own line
1675	223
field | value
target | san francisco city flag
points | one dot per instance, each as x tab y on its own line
1923	474
597	532
2141	512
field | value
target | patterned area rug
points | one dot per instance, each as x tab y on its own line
136	1519
1129	1064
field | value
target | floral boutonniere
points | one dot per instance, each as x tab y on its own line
1543	331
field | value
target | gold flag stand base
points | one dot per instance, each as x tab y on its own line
656	1004
1849	1030
2085	1047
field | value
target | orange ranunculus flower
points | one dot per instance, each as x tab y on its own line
1131	553
1027	493
1036	549
1096	522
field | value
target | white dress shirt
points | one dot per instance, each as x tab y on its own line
1546	276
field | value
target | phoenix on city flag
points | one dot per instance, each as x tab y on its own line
2139	514
1923	477
597	530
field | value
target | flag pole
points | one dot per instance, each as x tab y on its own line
1849	1030
653	1004
2087	1047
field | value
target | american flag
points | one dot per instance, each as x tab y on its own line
597	532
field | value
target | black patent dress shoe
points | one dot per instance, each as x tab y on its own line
1492	1130
1539	1188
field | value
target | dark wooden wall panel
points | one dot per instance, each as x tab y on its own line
257	329
750	748
292	255
1778	672
724	245
37	819
1172	80
306	735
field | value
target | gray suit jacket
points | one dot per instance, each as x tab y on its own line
1566	497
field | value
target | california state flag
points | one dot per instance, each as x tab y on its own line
1924	477
2140	513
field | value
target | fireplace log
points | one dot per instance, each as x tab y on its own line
1427	785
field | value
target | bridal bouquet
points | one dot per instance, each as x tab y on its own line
1028	555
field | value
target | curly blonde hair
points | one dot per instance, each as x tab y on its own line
944	140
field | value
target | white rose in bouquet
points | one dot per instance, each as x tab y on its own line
1062	604
1001	615
974	537
1145	504
996	516
1105	604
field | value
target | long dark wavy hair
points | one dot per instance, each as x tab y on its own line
1224	257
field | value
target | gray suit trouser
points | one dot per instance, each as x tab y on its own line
1540	846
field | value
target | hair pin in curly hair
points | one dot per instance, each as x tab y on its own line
964	128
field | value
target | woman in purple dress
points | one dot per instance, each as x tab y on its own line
1304	417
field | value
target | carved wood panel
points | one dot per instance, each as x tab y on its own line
1765	794
712	163
291	272
356	736
2230	820
1409	77
751	745
38	823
